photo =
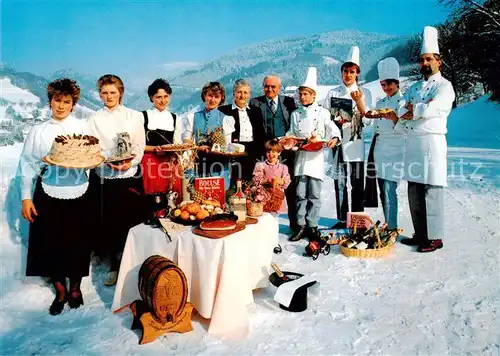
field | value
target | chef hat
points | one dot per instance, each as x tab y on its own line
388	68
430	40
311	81
353	55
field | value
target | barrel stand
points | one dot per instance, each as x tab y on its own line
153	328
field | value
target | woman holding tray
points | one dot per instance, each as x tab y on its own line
200	127
161	173
389	140
57	210
118	185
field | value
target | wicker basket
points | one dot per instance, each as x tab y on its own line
273	204
255	209
368	253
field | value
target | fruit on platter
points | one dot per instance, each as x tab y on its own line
193	211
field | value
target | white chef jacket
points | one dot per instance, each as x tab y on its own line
353	151
391	140
57	182
106	125
303	122
426	147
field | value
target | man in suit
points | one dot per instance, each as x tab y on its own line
276	110
248	130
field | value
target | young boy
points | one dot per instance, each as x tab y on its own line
313	122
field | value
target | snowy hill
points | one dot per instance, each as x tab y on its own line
475	124
443	303
288	58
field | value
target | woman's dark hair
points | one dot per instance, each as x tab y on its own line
391	81
215	87
157	85
273	145
63	86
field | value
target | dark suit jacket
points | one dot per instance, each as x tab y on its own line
287	106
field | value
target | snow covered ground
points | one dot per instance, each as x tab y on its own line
442	303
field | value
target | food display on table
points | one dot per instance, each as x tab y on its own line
219	222
192	213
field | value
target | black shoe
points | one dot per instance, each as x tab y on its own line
300	234
57	306
295	228
75	299
430	246
340	225
313	234
410	241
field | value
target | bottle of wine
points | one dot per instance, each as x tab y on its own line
279	273
390	235
370	238
358	237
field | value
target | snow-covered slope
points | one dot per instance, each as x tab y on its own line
475	124
443	303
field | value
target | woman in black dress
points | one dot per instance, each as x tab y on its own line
58	246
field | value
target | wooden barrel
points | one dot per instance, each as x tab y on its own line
163	287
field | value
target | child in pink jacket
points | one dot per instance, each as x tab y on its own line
271	171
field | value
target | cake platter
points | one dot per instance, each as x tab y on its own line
88	164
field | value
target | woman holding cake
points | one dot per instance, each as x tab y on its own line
207	127
160	171
59	225
120	131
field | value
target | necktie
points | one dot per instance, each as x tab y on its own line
272	106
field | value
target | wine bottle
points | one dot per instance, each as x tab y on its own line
390	236
369	238
357	238
279	273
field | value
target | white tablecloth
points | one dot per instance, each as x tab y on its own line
221	273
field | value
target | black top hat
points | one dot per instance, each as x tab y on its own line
299	299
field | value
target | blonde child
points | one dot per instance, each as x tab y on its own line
272	171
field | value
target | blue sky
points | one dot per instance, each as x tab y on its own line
138	37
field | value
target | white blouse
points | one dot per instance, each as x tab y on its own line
106	125
57	182
246	129
163	120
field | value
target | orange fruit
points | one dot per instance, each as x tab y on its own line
193	208
184	215
202	214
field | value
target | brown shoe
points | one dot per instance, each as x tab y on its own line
431	246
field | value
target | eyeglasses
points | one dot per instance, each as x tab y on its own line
270	86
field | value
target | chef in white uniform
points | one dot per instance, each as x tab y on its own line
428	104
389	139
313	122
353	151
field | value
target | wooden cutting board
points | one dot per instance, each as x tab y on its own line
211	234
250	221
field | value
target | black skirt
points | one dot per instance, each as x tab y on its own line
119	205
59	244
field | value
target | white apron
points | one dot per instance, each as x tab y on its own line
425	159
390	146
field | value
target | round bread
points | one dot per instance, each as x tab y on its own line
214	203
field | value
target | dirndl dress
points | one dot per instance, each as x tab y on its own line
59	238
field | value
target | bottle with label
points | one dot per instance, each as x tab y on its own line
238	203
360	236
